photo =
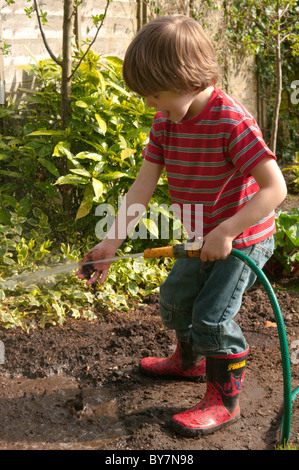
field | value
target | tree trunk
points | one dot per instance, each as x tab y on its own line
66	62
223	47
66	190
278	66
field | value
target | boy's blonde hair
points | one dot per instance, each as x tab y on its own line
170	53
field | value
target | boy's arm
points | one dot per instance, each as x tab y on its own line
218	243
140	193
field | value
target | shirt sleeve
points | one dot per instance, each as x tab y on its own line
153	151
246	147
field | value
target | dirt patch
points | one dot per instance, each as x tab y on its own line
79	387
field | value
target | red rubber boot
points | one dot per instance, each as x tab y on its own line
182	364
220	405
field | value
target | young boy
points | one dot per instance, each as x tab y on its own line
214	155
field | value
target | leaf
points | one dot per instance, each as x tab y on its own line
102	124
4	216
16	219
81	104
62	149
151	226
84	209
98	168
114	60
45	132
59	310
4	156
10	200
12	174
69	179
293	234
98	187
89	156
132	288
102	81
25	205
86	204
126	153
81	171
7	259
49	166
119	88
114	175
5	112
89	314
161	210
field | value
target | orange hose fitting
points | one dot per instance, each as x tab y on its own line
162	252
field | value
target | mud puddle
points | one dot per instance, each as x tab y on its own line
56	413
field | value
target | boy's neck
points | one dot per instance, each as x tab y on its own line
199	103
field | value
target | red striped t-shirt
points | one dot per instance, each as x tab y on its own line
208	160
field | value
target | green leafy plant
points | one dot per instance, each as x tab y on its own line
25	248
53	299
98	156
95	158
261	28
286	254
294	168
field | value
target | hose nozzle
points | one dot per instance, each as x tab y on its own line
182	250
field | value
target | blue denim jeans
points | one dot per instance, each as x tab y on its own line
200	300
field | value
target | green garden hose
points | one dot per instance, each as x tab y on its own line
286	367
189	250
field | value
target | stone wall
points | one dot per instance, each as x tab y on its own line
24	36
118	29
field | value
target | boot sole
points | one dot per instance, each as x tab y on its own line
192	432
198	378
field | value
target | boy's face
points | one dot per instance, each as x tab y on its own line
174	106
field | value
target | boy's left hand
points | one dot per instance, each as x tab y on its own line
217	245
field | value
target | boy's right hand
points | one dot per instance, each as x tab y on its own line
102	251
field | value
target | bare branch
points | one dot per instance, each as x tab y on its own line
287	36
93	41
289	23
52	55
284	10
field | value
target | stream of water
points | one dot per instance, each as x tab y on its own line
37	277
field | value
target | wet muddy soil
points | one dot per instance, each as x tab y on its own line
78	386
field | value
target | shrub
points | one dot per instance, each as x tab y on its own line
52	181
285	259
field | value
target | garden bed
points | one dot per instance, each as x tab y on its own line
78	386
